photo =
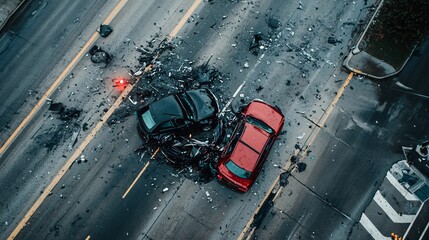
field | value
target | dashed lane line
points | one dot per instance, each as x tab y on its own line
223	111
390	211
407	195
135	180
371	228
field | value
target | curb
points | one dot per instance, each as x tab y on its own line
355	50
10	15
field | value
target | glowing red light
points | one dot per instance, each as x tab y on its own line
120	81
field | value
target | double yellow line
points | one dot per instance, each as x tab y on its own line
91	135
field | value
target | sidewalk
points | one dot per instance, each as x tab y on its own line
377	59
7	8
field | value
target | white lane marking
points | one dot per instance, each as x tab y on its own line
371	228
424	232
409	196
412	223
388	209
241	86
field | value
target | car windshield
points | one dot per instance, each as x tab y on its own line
258	123
238	171
148	119
188	105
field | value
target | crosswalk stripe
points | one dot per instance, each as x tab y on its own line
388	209
371	228
409	196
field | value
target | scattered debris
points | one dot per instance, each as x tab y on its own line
81	159
99	56
332	40
301	137
301	166
56	107
73	139
258	43
69	114
283	178
273	22
105	30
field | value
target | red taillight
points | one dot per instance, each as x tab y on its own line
120	83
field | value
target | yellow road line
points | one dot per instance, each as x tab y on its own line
309	141
241	236
135	180
328	111
171	35
91	135
58	81
48	93
86	141
182	21
70	161
154	154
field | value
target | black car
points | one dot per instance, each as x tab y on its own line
184	113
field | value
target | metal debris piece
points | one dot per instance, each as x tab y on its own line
258	43
332	40
56	107
283	178
94	49
101	56
301	137
105	30
301	166
74	138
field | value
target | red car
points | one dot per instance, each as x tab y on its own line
249	145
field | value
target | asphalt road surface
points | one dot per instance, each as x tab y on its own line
349	129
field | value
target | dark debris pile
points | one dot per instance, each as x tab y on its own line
169	74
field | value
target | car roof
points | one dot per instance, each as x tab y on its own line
265	113
249	147
244	157
166	109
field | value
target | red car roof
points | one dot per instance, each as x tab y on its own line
244	157
266	113
254	137
248	149
252	142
